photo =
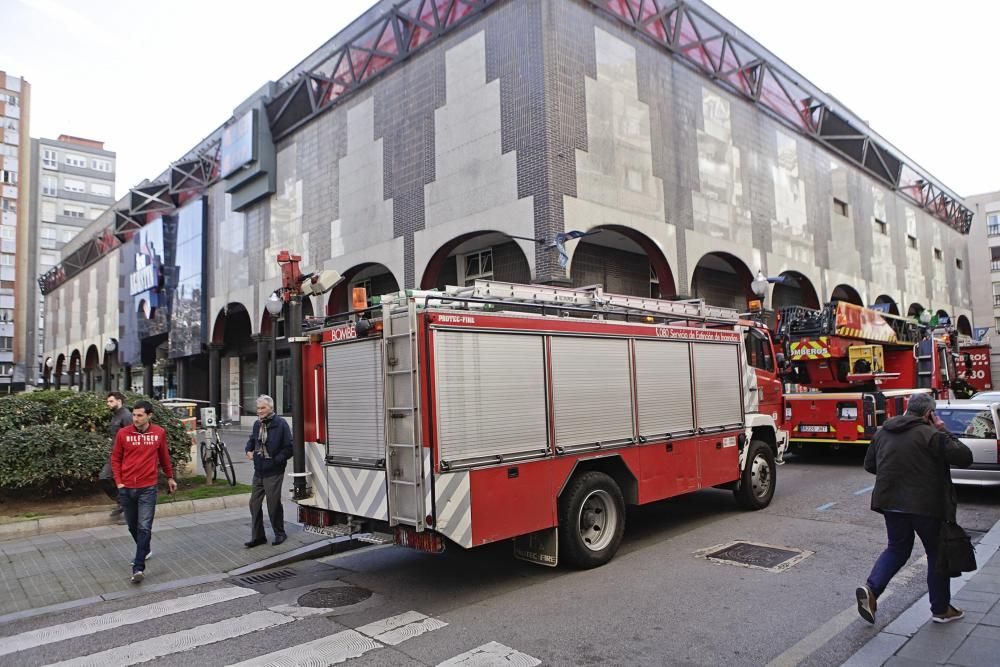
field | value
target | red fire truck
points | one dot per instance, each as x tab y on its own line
853	368
975	366
531	413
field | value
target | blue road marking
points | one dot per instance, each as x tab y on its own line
823	508
864	490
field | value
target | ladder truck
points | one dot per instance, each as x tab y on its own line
531	414
852	368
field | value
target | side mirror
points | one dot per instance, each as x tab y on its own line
783	363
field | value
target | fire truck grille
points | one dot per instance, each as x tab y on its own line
331	598
760	556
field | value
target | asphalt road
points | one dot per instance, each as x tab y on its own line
656	603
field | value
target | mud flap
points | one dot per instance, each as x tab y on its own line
540	547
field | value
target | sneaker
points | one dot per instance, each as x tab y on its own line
867	606
148	556
953	614
137	577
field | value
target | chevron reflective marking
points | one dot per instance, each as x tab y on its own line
358	491
490	655
117	619
331	650
184	640
454	507
397	629
751	398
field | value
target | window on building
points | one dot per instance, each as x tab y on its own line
7	232
47	259
5	343
100	165
6	260
993	224
100	189
73	185
9	177
6	315
881	227
840	207
50	185
911	240
76	160
477	266
958	263
50	158
9	205
938	255
66	235
48	211
71	211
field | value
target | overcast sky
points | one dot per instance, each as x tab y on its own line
152	78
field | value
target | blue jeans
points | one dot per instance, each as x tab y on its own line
139	506
900	528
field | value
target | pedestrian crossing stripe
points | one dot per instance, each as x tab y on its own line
489	655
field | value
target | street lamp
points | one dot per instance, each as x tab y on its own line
274	307
759	285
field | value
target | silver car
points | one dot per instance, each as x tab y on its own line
976	423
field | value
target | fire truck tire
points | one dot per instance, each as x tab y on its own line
757	482
591	520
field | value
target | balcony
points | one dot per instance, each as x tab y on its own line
993	230
995	265
996	300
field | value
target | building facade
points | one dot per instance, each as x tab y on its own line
984	266
473	154
15	184
73	184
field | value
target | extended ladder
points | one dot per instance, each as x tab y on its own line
404	451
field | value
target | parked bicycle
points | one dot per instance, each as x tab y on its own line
215	455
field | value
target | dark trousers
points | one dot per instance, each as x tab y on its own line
270	488
900	528
139	506
106	478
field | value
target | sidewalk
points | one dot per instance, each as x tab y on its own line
93	563
912	639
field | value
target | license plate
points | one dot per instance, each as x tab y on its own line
812	428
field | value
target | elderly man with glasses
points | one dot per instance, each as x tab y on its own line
269	447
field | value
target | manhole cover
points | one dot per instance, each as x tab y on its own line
749	554
331	598
268	577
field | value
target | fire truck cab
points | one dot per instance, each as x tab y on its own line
530	413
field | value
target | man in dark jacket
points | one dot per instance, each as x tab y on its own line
909	457
120	416
270	447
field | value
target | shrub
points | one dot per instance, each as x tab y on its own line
55	440
16	413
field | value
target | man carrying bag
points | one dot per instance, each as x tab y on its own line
910	458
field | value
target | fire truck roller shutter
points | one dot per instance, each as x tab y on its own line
490	395
718	394
354	390
663	379
591	391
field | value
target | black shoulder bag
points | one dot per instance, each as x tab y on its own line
955	551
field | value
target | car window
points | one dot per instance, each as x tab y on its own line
968	423
987	397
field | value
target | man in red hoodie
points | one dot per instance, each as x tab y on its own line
133	462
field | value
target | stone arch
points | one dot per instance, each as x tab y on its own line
507	261
377	276
722	279
964	326
59	370
846	293
795	290
889	301
914	310
624	261
942	313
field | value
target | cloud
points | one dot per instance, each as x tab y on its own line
70	17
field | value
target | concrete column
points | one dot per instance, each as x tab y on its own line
215	377
126	382
181	375
147	379
263	363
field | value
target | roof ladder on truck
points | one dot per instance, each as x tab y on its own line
595	297
404	458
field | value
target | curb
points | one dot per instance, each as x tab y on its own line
55	524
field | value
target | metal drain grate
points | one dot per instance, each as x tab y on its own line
268	577
331	598
750	554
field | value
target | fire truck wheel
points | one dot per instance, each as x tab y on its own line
757	483
591	520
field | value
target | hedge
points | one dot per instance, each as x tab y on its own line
58	440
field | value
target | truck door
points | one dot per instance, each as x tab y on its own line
760	355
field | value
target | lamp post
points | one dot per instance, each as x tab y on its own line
110	346
759	286
274	307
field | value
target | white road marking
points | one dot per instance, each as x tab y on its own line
493	654
176	642
396	629
296	611
330	650
117	619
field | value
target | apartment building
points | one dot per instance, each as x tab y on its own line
15	183
984	268
74	183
